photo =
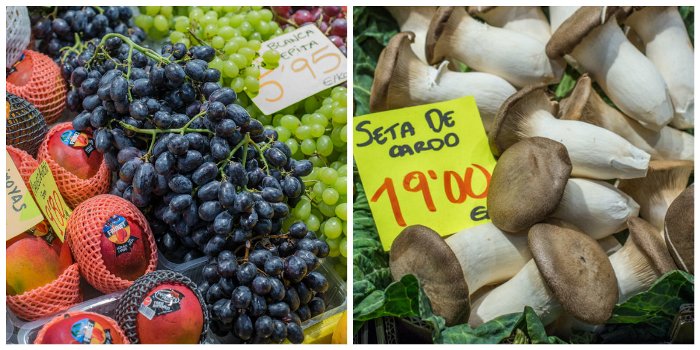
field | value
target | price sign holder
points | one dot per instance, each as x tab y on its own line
429	165
22	211
49	199
309	63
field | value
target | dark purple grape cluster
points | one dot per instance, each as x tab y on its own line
211	180
57	27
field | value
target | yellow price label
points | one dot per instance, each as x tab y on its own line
50	200
428	165
22	211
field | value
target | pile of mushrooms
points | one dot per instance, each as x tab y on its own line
589	201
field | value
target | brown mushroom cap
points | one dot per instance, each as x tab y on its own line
576	27
476	10
527	183
646	237
576	270
679	230
573	106
435	31
385	70
420	251
514	114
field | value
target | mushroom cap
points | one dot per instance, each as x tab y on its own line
475	10
420	251
435	31
679	230
385	70
527	183
573	106
515	112
576	270
576	27
646	237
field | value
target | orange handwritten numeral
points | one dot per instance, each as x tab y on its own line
388	187
464	185
422	186
275	83
328	55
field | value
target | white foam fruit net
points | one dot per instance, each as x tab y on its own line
19	30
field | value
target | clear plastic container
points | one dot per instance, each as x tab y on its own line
192	269
317	329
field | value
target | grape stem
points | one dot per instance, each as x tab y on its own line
144	50
161	131
262	157
99	9
191	120
223	163
73	49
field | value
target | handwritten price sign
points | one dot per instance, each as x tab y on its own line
309	63
428	165
50	201
22	211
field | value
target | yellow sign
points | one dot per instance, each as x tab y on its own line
309	63
428	165
49	198
22	212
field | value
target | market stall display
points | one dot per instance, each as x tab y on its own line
591	133
168	183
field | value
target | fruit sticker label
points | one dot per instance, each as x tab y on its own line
50	201
22	212
161	302
117	231
87	331
436	167
309	63
77	139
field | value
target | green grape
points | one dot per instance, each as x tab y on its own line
283	134
252	85
293	145
230	47
265	15
181	24
328	176
303	132
217	42
341	184
324	146
317	130
246	29
252	71
236	20
340	116
239	60
152	10
196	14
223	22
308	146
302	210
344	134
144	21
226	32
320	119
325	209
341	211
229	69
317	189
247	52
313	223
332	228
330	196
342	171
166	11
237	84
264	119
160	23
271	58
210	30
176	36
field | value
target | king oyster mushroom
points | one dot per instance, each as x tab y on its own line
538	169
665	180
559	14
595	152
569	272
668	46
679	230
586	105
414	19
596	42
402	80
642	259
528	20
518	58
451	269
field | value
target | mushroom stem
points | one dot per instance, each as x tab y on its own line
528	20
559	14
407	81
586	105
632	271
595	152
668	47
625	74
595	207
414	19
526	288
610	244
488	255
517	57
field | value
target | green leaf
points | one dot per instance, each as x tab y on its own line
491	332
647	316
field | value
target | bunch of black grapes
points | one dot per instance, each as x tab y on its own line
211	180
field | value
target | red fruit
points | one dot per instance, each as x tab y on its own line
331	11
123	248
176	316
303	16
339	27
32	262
282	11
336	40
81	328
22	72
75	151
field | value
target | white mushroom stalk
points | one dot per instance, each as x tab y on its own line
517	57
627	76
610	244
528	20
594	152
632	271
559	14
414	19
595	207
488	255
403	80
586	105
668	47
526	288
